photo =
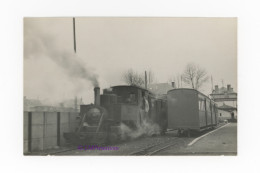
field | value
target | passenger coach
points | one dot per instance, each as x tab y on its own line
189	110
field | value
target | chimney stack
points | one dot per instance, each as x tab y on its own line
228	87
216	88
97	96
173	84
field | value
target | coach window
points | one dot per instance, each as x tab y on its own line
208	106
201	105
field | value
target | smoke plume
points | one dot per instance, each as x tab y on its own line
51	68
41	43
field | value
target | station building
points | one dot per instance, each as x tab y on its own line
160	89
226	100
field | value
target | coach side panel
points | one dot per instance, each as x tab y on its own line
202	111
183	109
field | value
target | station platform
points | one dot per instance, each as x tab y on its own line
221	141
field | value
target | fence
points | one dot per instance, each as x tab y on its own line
44	130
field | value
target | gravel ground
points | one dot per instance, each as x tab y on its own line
128	147
131	146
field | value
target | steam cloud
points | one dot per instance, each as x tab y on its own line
147	128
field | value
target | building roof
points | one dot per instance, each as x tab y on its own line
134	86
227	107
223	94
194	90
160	88
223	90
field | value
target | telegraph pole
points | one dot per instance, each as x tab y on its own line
211	84
145	80
74	35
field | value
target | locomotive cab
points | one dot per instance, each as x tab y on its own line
126	108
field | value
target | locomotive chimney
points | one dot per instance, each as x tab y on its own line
97	96
216	88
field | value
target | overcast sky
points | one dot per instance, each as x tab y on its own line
106	47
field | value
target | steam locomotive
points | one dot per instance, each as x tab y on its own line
185	110
101	122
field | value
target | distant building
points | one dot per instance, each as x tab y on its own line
226	99
51	109
224	96
160	89
70	105
30	103
223	115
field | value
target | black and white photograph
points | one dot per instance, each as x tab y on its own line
130	86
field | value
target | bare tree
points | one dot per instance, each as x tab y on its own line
194	76
133	78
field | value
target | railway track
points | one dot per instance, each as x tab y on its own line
145	151
155	148
149	150
62	151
